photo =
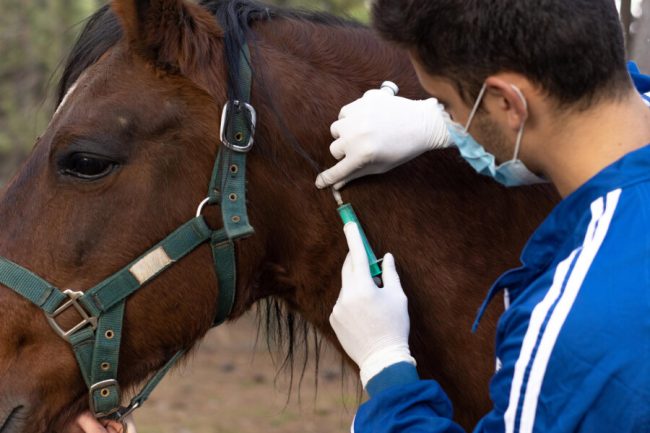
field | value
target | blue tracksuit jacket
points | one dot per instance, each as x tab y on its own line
573	348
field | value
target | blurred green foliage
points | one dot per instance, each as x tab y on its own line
357	9
35	37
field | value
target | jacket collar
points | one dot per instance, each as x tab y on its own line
559	228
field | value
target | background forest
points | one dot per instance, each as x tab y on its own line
35	36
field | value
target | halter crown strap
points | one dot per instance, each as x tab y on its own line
228	185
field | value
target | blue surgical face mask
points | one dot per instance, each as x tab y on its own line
510	173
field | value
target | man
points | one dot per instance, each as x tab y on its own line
543	86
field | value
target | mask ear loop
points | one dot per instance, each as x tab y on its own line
520	134
475	109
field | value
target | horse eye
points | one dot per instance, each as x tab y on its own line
87	167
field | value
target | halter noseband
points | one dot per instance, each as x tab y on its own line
96	338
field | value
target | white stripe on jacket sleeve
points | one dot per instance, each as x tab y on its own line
534	327
563	308
595	234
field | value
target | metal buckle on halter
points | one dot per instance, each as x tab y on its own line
101	386
87	319
224	119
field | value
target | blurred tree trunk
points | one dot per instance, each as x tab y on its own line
626	19
641	45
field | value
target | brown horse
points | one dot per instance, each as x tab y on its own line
127	158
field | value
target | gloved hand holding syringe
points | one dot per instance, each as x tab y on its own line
348	215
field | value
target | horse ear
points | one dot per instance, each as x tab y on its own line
164	31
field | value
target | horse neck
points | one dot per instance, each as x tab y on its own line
304	74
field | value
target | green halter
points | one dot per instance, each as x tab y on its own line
96	338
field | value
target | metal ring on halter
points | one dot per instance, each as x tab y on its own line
199	211
124	413
128	411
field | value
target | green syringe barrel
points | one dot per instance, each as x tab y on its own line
349	216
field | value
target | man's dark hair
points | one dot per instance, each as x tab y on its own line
574	49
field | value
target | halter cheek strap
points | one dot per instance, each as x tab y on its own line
96	338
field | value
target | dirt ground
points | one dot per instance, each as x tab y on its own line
230	386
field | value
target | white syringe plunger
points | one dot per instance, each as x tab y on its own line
389	86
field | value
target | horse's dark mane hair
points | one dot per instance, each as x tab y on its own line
284	329
103	30
236	18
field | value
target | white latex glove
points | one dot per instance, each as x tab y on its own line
371	323
380	131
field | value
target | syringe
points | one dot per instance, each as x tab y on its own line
348	214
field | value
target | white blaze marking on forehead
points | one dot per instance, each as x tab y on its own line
67	95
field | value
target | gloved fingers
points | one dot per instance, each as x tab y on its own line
374	93
347	127
335	317
340	172
346	274
389	272
337	148
339	186
335	131
368	98
355	175
89	424
357	249
347	110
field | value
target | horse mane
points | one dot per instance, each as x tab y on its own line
103	30
284	329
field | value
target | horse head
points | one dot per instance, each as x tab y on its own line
126	158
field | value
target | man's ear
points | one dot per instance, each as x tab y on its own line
170	33
510	100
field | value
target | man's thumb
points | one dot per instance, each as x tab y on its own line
389	272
